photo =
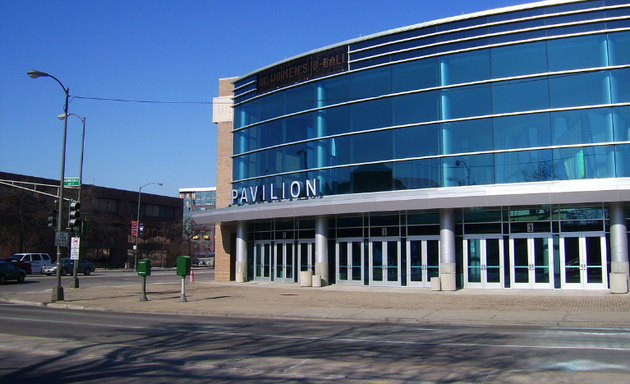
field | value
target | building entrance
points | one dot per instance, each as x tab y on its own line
385	261
423	260
483	259
349	261
583	261
531	260
262	261
284	262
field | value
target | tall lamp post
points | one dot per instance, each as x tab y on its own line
75	279
57	290
135	260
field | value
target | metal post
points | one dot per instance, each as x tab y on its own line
182	298
143	296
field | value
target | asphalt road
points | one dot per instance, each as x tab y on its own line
63	346
101	278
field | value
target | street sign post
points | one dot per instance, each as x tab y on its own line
75	246
71	182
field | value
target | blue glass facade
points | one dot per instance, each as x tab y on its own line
531	95
485	151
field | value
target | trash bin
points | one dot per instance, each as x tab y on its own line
317	281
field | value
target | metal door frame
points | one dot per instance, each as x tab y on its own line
531	261
484	262
423	259
385	282
584	284
348	243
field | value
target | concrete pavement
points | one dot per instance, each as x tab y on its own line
290	301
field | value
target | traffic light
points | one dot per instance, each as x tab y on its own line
52	219
74	215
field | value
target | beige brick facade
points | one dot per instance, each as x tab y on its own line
224	235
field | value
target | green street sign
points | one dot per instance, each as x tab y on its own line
71	182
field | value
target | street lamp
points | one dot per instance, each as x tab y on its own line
135	261
460	163
57	290
75	280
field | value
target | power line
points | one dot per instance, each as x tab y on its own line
143	101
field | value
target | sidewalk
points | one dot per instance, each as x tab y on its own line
412	305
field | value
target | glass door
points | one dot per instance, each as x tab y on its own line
423	260
531	258
306	256
385	262
349	261
583	261
483	259
262	261
284	262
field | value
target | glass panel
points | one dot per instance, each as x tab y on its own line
583	163
620	85
570	90
522	131
267	258
357	261
415	260
258	260
521	59
521	261
466	102
493	261
577	52
336	90
621	123
392	261
417	174
619	48
416	141
520	95
414	75
289	261
415	108
273	106
583	126
304	262
622	160
526	166
457	138
279	263
370	83
469	170
343	261
373	146
433	258
371	114
594	267
572	260
299	98
541	260
465	67
474	261
377	261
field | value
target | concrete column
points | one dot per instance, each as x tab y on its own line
241	252
619	270
448	271
321	248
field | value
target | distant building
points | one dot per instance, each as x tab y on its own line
484	151
106	212
200	238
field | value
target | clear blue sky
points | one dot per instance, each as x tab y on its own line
163	51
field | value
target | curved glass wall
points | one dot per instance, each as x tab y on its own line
533	95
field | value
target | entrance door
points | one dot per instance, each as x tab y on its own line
531	258
306	256
385	262
349	261
483	262
262	261
583	261
284	262
423	260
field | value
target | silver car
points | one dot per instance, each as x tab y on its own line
67	267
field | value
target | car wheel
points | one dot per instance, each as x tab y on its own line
48	274
21	278
87	271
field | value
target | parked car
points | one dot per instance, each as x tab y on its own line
37	260
20	265
8	271
67	267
